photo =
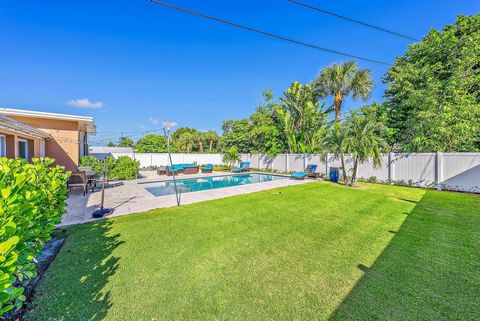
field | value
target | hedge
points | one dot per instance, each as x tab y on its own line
32	203
121	168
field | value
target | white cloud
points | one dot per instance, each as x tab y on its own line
85	103
141	126
169	124
154	121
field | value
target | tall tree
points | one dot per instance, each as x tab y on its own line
335	143
211	137
125	142
433	93
267	132
237	133
302	118
260	133
364	139
186	139
343	80
151	144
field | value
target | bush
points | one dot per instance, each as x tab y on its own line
93	162
121	168
231	156
32	203
124	168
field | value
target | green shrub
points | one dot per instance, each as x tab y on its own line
121	168
33	201
93	162
124	168
231	156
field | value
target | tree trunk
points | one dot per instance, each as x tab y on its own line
211	145
201	146
344	170
354	174
337	101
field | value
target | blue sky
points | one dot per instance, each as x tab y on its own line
141	64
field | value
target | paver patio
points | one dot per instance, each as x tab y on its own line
127	197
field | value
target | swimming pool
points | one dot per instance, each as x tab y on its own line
206	183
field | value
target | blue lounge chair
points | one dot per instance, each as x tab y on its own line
244	166
309	172
207	168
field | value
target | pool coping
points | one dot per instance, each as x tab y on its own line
170	179
130	197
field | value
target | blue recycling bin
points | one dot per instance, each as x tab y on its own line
334	174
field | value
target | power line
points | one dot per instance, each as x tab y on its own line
269	34
353	20
111	139
372	26
246	81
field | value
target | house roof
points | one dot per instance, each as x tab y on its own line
107	150
84	120
16	126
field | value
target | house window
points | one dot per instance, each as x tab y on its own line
82	144
3	146
42	148
23	148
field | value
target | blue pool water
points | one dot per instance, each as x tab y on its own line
205	183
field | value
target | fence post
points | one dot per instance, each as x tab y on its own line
287	165
391	168
151	160
326	164
438	170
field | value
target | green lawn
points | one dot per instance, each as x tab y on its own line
308	252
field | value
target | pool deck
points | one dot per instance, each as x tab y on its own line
128	197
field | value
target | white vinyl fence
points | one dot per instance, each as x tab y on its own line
452	171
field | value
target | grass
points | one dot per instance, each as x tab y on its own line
315	251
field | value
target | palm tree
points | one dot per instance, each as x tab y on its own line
185	141
212	137
364	140
342	80
200	139
335	142
231	156
302	118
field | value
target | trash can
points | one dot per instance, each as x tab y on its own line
334	174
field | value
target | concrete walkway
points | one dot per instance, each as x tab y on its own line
128	197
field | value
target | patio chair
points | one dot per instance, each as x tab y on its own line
310	171
90	175
244	167
78	179
207	168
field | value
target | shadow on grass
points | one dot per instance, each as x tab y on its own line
429	271
72	288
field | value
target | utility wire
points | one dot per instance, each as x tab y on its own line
253	77
457	52
353	20
269	34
